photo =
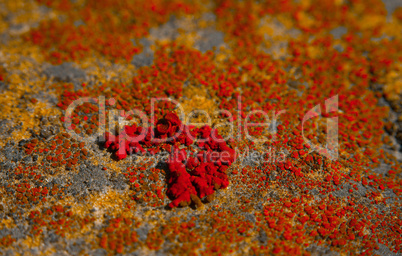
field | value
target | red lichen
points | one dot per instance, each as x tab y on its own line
206	170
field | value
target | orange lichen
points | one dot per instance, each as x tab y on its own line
293	198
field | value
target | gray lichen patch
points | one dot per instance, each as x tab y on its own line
89	178
65	72
209	39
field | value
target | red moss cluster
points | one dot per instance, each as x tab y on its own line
207	170
192	176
